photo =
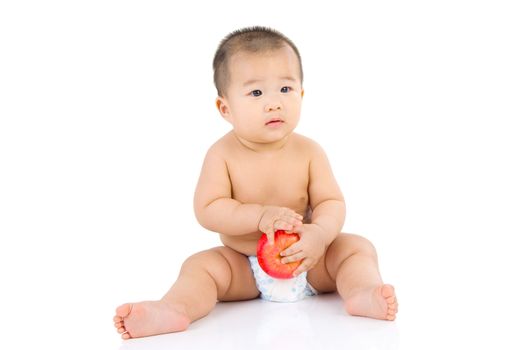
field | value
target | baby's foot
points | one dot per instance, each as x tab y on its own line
378	302
150	318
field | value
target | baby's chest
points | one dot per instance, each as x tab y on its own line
277	183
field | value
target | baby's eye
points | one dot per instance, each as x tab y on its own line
285	89
256	93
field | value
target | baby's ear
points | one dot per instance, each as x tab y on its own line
222	107
302	93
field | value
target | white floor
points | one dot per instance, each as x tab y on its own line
106	115
453	310
314	323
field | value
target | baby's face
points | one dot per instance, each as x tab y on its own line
263	99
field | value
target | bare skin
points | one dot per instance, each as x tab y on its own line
261	177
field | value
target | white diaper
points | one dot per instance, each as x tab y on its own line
281	290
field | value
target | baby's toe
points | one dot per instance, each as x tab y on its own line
387	291
123	310
125	336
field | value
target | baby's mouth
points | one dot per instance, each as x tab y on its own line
274	121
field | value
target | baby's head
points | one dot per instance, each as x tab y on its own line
256	40
258	75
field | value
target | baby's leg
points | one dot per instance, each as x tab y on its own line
216	274
352	264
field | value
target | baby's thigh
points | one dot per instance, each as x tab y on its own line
242	284
323	275
320	279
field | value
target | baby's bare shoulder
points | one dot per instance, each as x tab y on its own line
305	145
222	147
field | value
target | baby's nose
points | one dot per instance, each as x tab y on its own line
273	106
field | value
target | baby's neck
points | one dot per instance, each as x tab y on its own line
263	147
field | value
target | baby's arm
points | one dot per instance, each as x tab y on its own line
328	214
213	205
326	199
217	211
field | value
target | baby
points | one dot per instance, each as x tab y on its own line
258	178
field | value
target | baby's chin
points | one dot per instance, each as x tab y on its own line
264	139
272	141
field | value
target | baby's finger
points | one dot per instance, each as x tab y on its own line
292	221
270	234
305	266
292	225
282	225
293	249
294	257
289	212
297	228
293	215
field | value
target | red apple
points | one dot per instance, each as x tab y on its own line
269	257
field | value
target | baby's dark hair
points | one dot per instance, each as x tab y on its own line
251	39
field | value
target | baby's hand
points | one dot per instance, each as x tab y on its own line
310	247
278	218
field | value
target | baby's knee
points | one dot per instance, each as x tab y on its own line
358	244
212	262
210	267
205	259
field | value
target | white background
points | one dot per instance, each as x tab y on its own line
107	109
